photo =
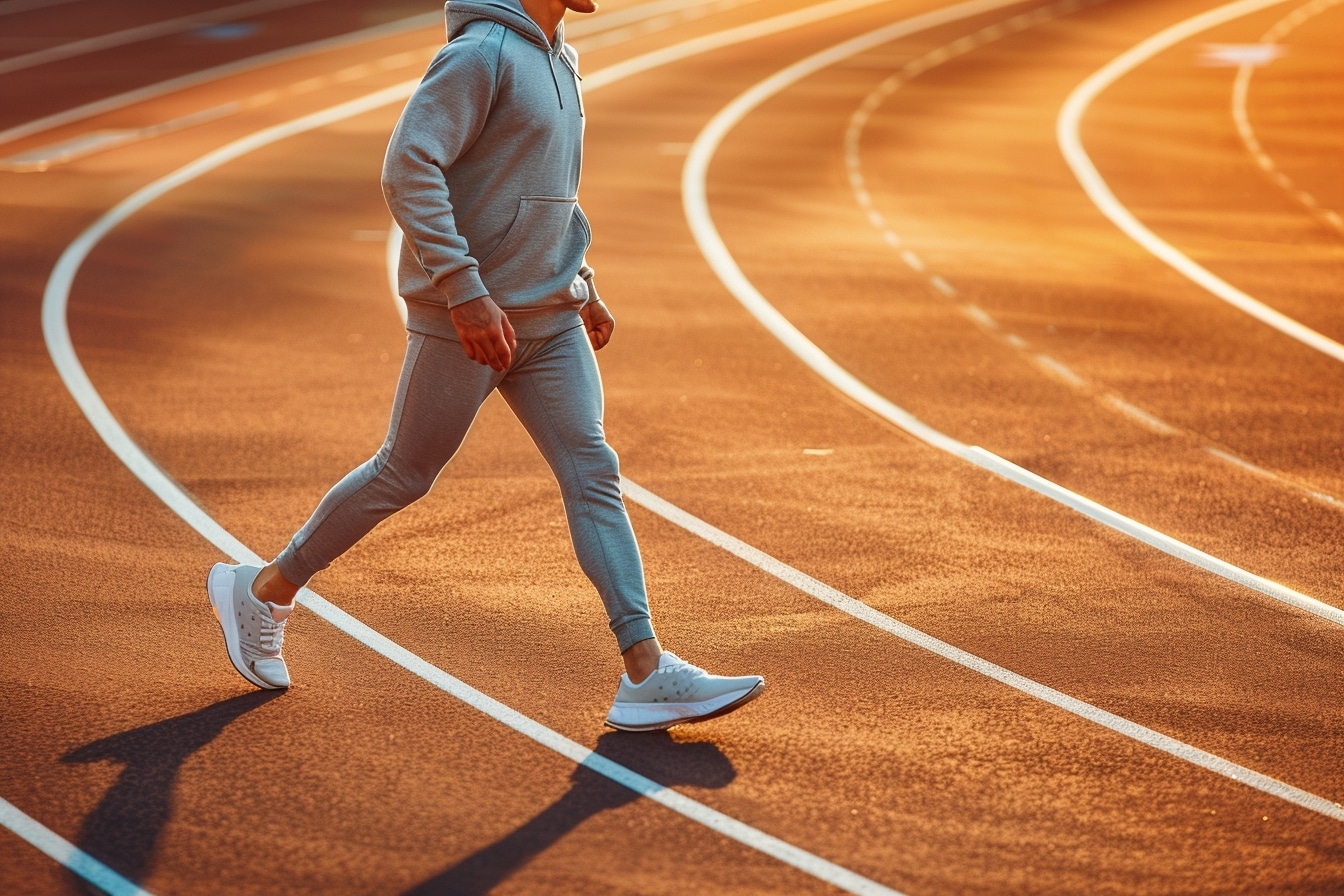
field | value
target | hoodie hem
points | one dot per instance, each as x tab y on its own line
437	320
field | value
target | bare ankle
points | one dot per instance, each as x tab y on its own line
641	659
271	587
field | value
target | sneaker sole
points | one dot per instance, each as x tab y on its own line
704	717
219	588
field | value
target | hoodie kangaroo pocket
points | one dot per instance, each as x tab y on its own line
548	237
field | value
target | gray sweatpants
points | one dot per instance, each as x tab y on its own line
555	389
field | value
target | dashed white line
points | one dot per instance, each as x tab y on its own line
58	340
1070	143
980	316
853	163
696	206
1140	416
1240	90
1059	370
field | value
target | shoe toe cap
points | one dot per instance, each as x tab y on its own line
272	671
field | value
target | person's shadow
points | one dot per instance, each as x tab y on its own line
654	756
123	829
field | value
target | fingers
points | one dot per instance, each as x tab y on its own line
509	337
497	349
600	335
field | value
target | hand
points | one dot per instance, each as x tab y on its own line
597	320
485	332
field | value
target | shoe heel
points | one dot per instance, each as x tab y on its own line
219	586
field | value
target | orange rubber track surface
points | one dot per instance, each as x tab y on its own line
242	331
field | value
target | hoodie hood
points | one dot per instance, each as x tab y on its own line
509	13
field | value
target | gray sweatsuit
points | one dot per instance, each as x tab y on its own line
482	176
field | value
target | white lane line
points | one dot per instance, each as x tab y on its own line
59	345
1240	90
9	7
42	158
854	164
195	79
731	36
913	260
1143	418
1070	143
599	23
862	611
980	316
143	33
696	205
1060	370
56	333
1239	462
677	12
66	853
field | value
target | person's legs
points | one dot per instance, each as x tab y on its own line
557	394
437	398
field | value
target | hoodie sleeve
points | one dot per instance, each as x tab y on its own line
442	119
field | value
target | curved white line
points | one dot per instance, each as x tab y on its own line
696	204
56	333
1241	88
874	100
1070	143
864	613
195	79
10	7
66	853
600	23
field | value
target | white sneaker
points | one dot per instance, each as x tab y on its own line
677	693
254	632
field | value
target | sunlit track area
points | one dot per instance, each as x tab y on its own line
977	380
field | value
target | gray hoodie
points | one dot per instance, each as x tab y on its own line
482	176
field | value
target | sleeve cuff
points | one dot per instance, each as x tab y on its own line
462	286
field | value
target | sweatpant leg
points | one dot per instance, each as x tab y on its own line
557	394
438	395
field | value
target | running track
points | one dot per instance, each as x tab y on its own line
928	236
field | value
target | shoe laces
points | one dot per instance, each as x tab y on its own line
272	634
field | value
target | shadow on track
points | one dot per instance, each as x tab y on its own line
123	829
655	756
